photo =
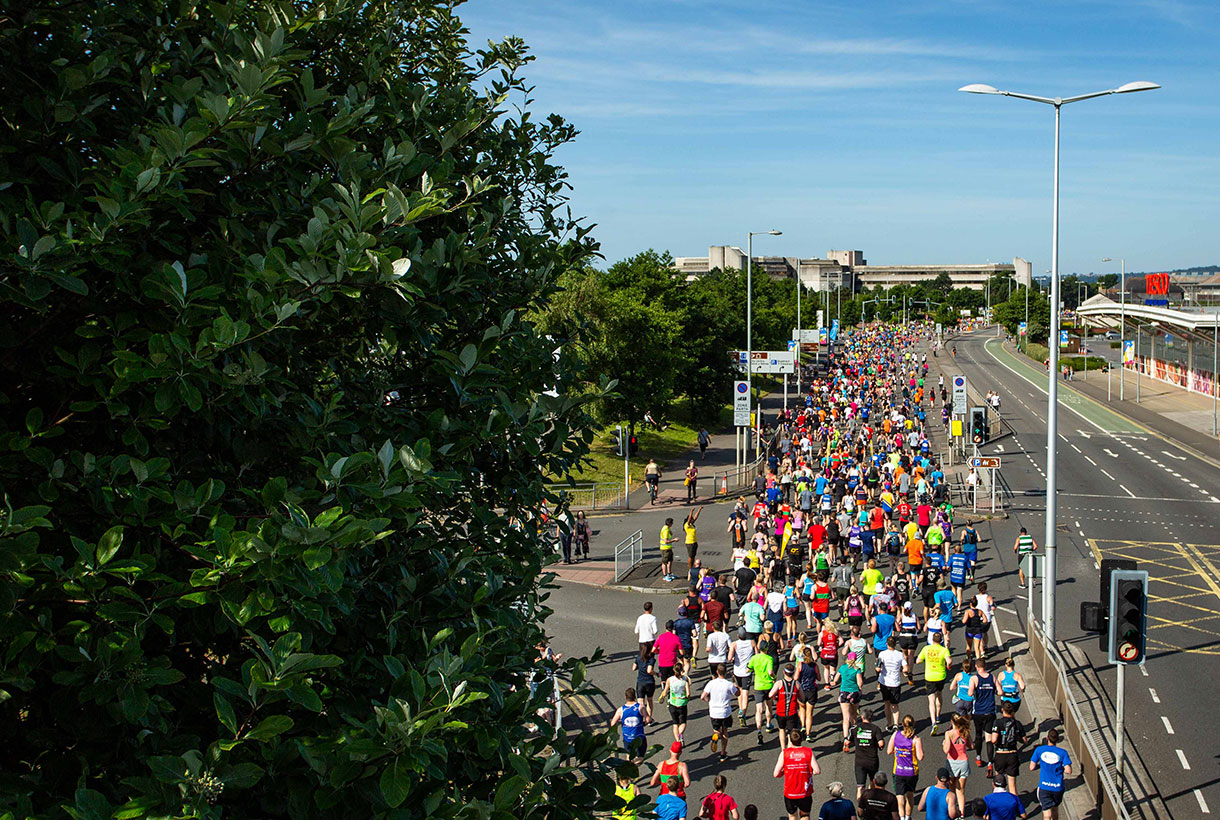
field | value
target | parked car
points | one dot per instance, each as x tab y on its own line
1112	335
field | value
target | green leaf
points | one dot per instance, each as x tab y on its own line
33	420
224	711
270	727
241	775
395	782
508	792
109	545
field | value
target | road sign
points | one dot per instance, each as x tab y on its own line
985	462
808	335
767	361
741	404
959	394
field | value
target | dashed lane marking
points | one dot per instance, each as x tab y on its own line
1155	697
1168	725
1182	759
1202	803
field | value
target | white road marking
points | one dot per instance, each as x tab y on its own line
1168	727
1010	632
1006	609
999	448
1155	697
1091	461
1128	492
1074	447
1182	759
1143	670
1110	453
1086	435
1202	803
1171	455
1107	475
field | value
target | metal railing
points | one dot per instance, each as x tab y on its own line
739	478
628	553
591	495
1096	774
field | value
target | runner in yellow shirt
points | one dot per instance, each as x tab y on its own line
935	658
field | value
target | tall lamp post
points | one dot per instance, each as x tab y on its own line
1052	400
1122	321
750	310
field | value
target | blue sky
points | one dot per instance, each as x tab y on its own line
840	123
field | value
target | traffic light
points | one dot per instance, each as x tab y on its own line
618	441
1128	616
633	445
978	425
1108	567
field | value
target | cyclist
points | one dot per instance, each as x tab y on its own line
652	475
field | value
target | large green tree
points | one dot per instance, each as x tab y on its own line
270	405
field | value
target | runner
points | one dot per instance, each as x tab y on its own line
630	715
719	693
1024	546
1008	736
938	801
740	654
1001	804
672	775
986	605
983	690
878	803
935	658
807	677
645	684
909	628
849	680
788	697
762	666
1054	764
868	739
625	790
797	765
828	651
907	750
677	688
891	664
974	626
646	630
718	805
956	745
837	807
1012	684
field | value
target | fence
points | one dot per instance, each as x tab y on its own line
592	495
1076	730
739	478
628	553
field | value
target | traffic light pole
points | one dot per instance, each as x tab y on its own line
1120	715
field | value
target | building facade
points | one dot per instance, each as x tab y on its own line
849	269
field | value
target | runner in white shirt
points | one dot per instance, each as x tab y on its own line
739	656
719	693
891	663
717	646
646	630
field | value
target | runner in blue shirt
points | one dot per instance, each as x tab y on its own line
1002	804
970	547
1054	763
959	565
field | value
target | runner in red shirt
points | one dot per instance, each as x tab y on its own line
817	535
797	766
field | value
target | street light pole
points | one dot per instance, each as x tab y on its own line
1122	322
1050	578
750	313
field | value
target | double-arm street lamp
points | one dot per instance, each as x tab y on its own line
750	308
1052	400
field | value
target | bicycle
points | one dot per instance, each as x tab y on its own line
652	489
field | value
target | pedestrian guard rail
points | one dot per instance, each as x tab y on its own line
628	553
590	495
738	478
1077	733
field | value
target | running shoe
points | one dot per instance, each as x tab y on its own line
978	761
760	737
936	729
724	757
990	770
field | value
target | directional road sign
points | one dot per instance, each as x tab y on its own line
985	462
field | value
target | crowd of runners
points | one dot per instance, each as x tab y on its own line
851	586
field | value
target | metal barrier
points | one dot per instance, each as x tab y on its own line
1093	763
739	478
628	553
591	495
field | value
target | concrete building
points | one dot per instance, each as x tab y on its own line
848	269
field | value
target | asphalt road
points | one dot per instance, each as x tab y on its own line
1124	492
590	617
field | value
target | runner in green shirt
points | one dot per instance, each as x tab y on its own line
763	667
1025	545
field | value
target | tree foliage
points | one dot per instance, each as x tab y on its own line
237	575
